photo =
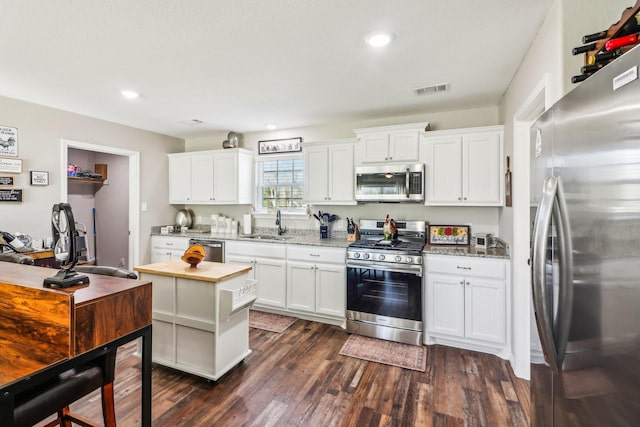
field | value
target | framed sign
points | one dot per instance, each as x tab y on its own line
11	165
39	178
8	141
12	195
6	180
449	234
275	146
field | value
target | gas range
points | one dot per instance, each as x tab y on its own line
384	282
406	248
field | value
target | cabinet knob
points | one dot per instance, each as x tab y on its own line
465	198
459	198
462	282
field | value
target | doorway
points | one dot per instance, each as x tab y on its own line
117	214
523	336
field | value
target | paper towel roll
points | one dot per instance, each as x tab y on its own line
246	224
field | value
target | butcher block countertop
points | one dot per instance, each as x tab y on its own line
206	271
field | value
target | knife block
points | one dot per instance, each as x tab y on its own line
324	231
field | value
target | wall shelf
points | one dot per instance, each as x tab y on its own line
100	169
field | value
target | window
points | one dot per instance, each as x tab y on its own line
280	184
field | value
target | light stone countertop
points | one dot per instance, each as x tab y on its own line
338	240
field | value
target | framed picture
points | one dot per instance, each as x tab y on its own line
8	141
11	165
449	234
275	146
39	178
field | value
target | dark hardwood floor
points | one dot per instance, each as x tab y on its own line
297	378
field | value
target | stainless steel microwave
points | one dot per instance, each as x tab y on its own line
390	183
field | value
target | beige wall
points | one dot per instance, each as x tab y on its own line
480	219
40	130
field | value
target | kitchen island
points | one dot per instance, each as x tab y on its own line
200	315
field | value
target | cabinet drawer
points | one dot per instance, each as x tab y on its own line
468	266
316	254
266	250
165	242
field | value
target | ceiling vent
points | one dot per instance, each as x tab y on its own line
192	122
427	90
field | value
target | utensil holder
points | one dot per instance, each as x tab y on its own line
324	231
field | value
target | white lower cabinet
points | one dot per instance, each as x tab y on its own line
269	269
316	280
166	248
466	302
297	280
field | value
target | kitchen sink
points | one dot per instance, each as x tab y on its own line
266	237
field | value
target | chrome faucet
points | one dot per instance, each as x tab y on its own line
279	223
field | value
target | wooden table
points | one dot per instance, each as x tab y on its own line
44	331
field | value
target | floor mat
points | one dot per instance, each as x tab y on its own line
388	352
270	322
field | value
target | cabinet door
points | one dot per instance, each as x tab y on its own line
271	276
202	177
341	174
179	179
485	309
445	302
160	255
376	147
331	290
403	146
301	286
482	172
225	177
316	174
242	260
444	171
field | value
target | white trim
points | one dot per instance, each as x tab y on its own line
134	187
529	111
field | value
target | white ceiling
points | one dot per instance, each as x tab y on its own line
239	64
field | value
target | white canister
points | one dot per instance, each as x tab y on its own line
227	225
221	224
234	227
214	224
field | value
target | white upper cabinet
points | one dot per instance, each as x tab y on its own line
328	172
211	177
464	166
399	143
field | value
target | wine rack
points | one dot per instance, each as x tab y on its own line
596	51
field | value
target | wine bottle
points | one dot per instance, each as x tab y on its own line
582	49
621	41
594	37
580	77
591	68
604	56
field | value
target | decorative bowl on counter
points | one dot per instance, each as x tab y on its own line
194	255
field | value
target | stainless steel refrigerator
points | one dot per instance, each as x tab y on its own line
586	252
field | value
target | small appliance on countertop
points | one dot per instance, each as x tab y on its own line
481	240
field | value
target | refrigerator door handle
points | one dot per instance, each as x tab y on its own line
538	279
565	292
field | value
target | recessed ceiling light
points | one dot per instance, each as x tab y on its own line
129	94
271	126
378	39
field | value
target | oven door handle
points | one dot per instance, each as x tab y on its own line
415	270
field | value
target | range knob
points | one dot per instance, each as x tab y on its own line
365	256
381	257
398	258
356	254
409	259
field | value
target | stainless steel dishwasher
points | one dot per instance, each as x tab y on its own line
213	248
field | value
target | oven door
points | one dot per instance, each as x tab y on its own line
386	291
